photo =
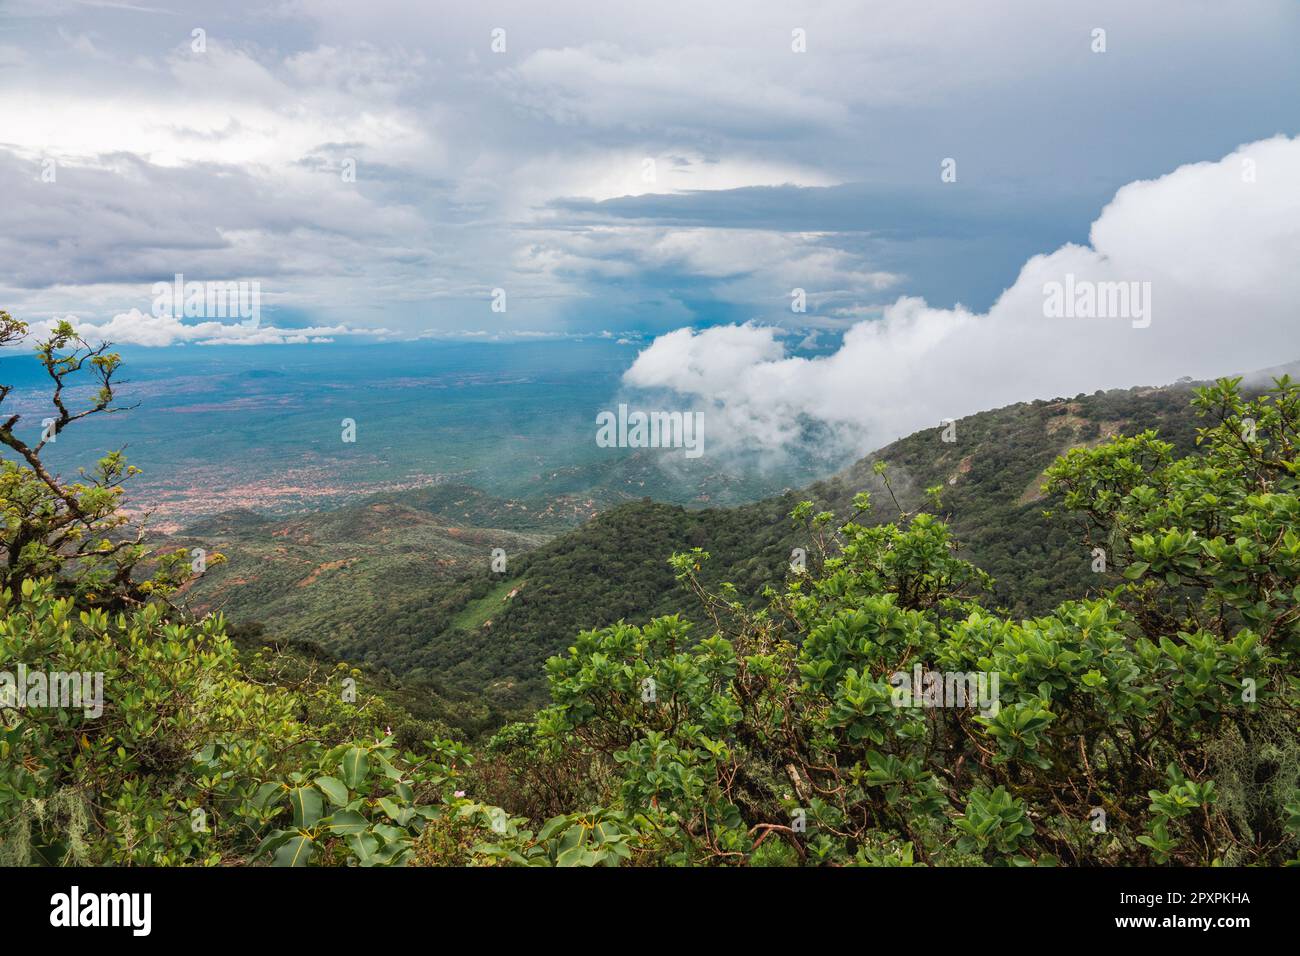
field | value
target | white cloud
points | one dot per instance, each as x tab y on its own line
1218	249
157	331
227	163
263	114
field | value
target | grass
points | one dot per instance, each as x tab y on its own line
474	614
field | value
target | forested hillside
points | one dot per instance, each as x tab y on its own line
875	708
326	579
407	592
614	568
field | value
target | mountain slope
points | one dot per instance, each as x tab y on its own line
615	567
327	579
399	587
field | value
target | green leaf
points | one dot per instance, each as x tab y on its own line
365	846
390	834
356	765
574	856
549	828
334	789
307	806
346	822
262	798
273	841
297	852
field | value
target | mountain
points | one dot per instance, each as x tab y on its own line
325	579
615	567
404	582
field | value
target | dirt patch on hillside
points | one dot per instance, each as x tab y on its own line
963	468
327	566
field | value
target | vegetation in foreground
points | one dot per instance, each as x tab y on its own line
1154	724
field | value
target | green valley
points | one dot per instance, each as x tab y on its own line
389	583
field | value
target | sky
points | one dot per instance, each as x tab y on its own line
861	217
1200	265
630	169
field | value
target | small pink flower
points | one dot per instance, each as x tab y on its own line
460	793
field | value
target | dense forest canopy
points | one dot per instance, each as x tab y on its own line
401	584
1152	722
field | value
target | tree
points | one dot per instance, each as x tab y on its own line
132	734
75	531
1157	723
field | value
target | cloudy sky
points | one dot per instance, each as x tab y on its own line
640	166
668	173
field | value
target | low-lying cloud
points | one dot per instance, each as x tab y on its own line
158	331
1218	243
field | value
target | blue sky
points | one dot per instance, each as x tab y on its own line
526	169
